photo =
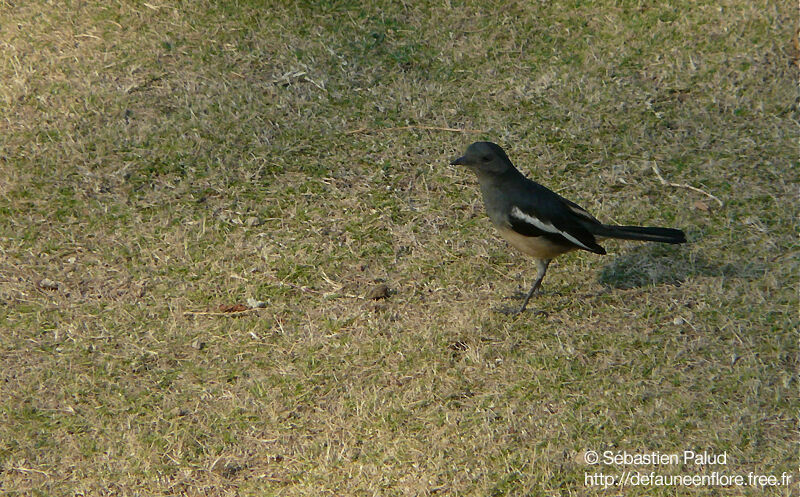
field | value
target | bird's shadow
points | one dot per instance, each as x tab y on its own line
657	264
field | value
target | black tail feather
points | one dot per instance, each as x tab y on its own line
645	233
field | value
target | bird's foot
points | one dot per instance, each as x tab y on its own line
507	311
515	311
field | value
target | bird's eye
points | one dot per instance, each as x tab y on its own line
486	158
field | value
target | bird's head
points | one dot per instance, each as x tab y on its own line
485	158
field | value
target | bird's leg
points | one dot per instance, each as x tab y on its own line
541	269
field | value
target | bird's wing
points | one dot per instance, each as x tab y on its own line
541	212
578	210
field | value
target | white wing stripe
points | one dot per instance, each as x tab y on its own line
517	213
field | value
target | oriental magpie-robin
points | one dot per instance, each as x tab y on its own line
538	221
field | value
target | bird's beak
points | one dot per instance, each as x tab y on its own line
458	162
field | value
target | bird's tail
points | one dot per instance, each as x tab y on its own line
645	233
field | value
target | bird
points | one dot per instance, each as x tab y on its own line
539	222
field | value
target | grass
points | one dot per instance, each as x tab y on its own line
159	158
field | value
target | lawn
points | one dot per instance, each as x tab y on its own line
235	260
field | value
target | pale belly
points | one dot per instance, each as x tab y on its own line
535	246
